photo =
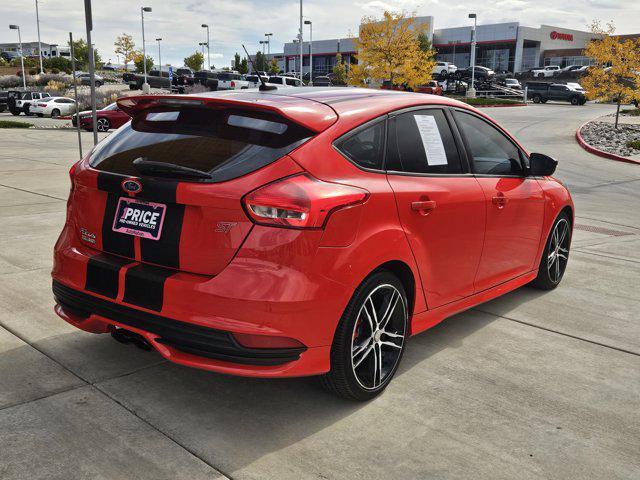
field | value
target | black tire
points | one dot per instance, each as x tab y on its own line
537	99
541	75
26	109
132	87
550	274
356	324
40	115
545	100
15	112
575	101
55	113
98	84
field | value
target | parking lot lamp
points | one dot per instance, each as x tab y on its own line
39	44
24	80
159	55
471	91
268	35
145	86
308	22
204	25
202	44
301	41
263	43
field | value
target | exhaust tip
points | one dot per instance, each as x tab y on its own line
128	337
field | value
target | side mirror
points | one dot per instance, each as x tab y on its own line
541	165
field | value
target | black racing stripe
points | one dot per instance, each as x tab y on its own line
166	250
153	189
102	274
144	286
114	242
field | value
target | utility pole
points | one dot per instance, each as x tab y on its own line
39	44
24	77
204	25
159	55
300	38
308	22
145	85
75	92
471	91
92	68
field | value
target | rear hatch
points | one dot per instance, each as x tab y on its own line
166	189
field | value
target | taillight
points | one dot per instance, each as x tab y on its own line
42	104
233	84
301	201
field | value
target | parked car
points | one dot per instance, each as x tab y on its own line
85	79
481	73
513	83
21	103
254	80
444	68
234	249
287	81
432	88
157	80
108	117
546	72
322	81
206	78
231	81
8	56
53	107
5	96
541	92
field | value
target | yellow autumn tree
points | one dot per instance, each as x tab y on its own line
124	46
389	49
615	73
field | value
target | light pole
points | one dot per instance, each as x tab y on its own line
471	91
24	79
300	38
145	86
202	44
159	55
268	35
263	43
39	44
308	22
204	25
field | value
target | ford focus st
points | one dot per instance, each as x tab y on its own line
302	231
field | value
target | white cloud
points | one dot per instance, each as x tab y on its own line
234	22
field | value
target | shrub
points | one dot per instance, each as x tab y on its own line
102	99
634	144
634	112
14	124
56	89
57	64
33	71
10	81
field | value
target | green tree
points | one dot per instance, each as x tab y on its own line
274	68
339	71
424	43
260	62
81	52
195	61
244	66
138	59
236	61
124	46
57	63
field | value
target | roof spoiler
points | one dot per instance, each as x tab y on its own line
313	115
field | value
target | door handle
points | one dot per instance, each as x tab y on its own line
423	206
500	200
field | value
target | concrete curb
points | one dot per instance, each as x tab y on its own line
601	153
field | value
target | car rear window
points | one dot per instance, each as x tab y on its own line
226	143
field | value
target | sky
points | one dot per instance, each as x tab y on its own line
234	22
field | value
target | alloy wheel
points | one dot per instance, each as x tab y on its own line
558	253
378	336
102	125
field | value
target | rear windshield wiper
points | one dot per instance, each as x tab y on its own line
162	168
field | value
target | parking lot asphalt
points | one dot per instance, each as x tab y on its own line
531	385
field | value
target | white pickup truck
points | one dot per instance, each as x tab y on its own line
546	72
231	81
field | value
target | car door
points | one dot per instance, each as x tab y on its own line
557	92
440	204
514	202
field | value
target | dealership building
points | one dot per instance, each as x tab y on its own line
502	47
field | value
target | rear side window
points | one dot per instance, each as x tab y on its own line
421	142
225	143
365	147
492	153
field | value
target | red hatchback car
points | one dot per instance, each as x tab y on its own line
109	117
302	231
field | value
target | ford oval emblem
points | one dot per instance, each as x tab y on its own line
131	185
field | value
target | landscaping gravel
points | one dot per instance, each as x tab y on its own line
604	136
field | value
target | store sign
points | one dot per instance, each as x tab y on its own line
561	36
